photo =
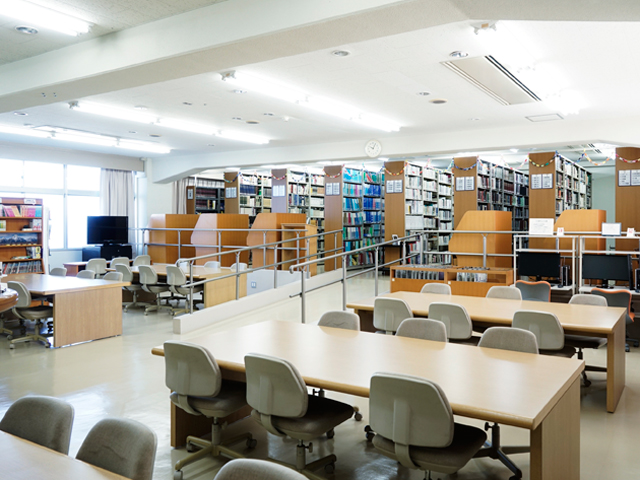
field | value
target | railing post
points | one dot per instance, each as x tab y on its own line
344	284
264	249
404	252
421	248
275	266
335	246
375	254
220	246
237	275
303	298
484	250
191	287
179	243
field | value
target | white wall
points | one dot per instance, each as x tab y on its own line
603	193
152	197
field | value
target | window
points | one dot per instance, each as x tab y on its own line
82	207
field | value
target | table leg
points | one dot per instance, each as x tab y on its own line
366	320
616	365
555	444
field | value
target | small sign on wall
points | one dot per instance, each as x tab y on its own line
624	178
231	192
541	226
394	186
465	183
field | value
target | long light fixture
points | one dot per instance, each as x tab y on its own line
44	17
112	112
322	104
242	137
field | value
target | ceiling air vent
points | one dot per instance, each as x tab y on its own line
494	79
545	118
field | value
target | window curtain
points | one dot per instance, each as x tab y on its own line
180	194
117	195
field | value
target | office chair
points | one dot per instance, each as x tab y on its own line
499	291
340	319
142	260
176	279
516	340
547	329
24	311
414	425
196	385
252	469
97	265
121	446
456	321
388	313
441	288
423	328
46	421
113	276
119	261
90	274
149	282
134	288
212	264
619	298
535	291
580	342
278	395
241	266
58	272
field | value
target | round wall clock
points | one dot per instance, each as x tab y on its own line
373	148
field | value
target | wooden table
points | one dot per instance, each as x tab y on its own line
589	320
83	309
74	267
24	460
536	392
8	299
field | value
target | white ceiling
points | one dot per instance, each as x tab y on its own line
382	75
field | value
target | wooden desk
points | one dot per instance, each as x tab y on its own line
536	392
607	322
83	309
74	267
8	299
24	460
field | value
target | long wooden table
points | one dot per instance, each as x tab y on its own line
536	392
24	460
83	309
589	320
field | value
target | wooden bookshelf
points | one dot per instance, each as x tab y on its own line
21	235
333	214
206	196
627	197
232	192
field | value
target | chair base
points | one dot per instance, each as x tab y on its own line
495	451
307	469
31	337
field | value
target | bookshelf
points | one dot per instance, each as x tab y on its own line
373	207
627	196
206	196
21	235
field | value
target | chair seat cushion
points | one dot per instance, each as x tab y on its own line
466	341
232	397
580	341
567	351
467	440
36	313
322	415
156	288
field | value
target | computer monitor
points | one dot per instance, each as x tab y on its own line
107	230
539	264
607	267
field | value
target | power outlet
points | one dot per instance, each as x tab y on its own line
253	284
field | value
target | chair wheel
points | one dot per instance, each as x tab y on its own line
251	443
47	345
331	433
357	416
587	383
177	475
11	346
515	477
370	436
9	337
330	468
191	447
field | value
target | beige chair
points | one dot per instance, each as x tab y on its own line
414	425
58	272
113	276
212	264
98	266
24	311
149	282
423	328
251	469
196	385
534	291
340	319
120	261
547	329
441	288
499	291
134	288
176	279
278	395
388	313
90	274
142	260
456	320
239	266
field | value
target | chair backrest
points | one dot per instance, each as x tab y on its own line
616	298
388	313
191	370
505	338
544	325
586	299
441	288
98	265
212	264
121	446
117	276
142	260
536	291
58	272
24	295
241	266
275	387
148	275
86	274
175	275
125	270
410	410
120	261
423	328
340	319
499	291
455	318
253	469
46	421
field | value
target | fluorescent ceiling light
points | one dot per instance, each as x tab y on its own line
567	102
44	17
266	87
27	132
89	140
186	126
377	122
120	113
242	137
143	146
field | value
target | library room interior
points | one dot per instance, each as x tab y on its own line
384	239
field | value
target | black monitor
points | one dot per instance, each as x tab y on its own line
607	267
539	264
107	230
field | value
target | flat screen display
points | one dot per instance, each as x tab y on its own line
107	229
539	264
606	267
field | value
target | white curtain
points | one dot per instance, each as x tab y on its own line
180	194
117	195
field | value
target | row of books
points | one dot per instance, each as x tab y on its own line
370	203
353	218
21	267
372	190
372	217
29	211
352	189
351	233
351	204
297	200
351	175
471	277
374	230
419	274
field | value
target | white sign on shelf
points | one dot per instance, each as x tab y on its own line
459	184
635	178
469	183
336	188
536	181
279	191
613	229
560	231
230	192
389	186
624	178
397	187
547	180
631	232
29	201
541	226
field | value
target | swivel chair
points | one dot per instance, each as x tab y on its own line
113	276
142	260
441	288
149	282
252	469
547	329
535	291
456	321
97	265
58	272
499	291
340	319
423	328
620	298
134	288
24	311
388	313
176	279
120	261
89	274
212	264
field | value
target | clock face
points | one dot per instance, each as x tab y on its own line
373	148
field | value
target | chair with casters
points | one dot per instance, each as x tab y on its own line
24	311
340	319
119	261
142	260
456	321
388	313
240	266
547	329
121	446
581	342
414	425
535	291
58	272
134	288
212	264
90	274
499	291
516	340
98	266
176	279
46	421
423	328
149	282
113	276
252	469
278	395
441	288
619	298
196	384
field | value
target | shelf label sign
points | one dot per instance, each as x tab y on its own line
536	181
547	180
29	201
635	178
459	184
541	226
469	183
231	192
624	178
394	186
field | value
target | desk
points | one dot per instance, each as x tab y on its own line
8	299
24	460
536	392
607	322
83	309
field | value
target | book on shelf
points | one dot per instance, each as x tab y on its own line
3	225
18	238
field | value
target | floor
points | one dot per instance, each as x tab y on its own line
120	377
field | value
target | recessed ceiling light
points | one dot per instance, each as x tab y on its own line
268	114
26	30
438	101
239	119
340	53
474	119
132	131
142	108
187	103
211	145
20	114
155	135
424	94
513	150
252	122
240	91
458	54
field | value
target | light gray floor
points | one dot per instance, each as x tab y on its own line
120	377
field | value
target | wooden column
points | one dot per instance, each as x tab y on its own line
232	205
332	215
464	200
279	179
191	199
627	198
542	202
394	210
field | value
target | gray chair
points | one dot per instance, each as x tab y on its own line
196	385
278	395
149	282
535	291
122	446
98	266
212	264
456	321
388	313
120	261
547	329
24	311
441	288
113	276
90	274
414	425
340	319
239	266
499	291
46	421
252	469
58	272
516	340
134	288
423	328
176	279
142	260
619	298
